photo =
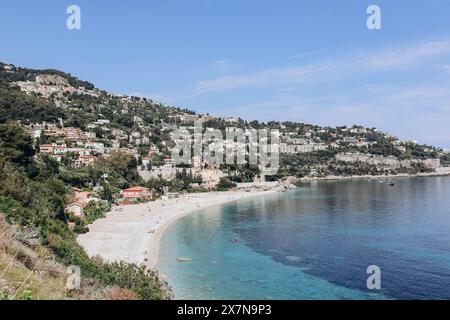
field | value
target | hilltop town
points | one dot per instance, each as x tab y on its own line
81	127
70	153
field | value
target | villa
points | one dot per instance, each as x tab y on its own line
136	193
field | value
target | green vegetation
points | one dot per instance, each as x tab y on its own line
96	210
241	173
225	184
36	195
445	160
25	295
156	121
16	105
36	187
93	211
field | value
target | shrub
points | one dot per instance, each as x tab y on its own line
225	185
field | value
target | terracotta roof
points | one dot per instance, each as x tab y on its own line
136	189
77	203
83	194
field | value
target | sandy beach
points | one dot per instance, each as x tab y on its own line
132	233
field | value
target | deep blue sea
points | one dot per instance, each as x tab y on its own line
316	243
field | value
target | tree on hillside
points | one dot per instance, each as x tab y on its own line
16	144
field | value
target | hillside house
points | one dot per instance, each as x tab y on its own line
137	193
77	209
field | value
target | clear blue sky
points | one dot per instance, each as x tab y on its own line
312	61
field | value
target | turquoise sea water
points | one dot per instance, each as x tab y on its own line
316	243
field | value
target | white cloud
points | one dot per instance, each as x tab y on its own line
394	58
417	112
446	68
268	77
222	61
303	55
384	60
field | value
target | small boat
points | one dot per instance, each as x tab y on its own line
391	184
235	240
184	259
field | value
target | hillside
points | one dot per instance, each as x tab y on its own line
59	134
51	96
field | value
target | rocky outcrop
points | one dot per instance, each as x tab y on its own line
386	162
51	79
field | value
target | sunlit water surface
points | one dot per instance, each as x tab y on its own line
316	243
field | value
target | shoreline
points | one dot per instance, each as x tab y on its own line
443	172
153	255
133	233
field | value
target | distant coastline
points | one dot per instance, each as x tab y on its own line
440	172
